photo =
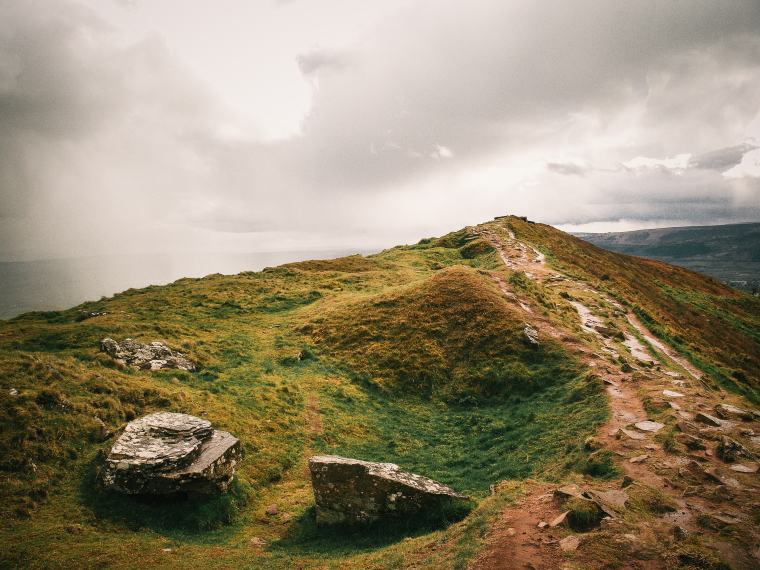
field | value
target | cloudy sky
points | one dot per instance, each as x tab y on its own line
257	125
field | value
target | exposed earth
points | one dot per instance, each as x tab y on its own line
702	496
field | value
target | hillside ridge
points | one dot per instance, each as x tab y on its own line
416	356
729	253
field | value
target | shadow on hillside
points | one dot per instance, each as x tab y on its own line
307	538
179	514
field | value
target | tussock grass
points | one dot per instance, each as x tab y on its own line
411	356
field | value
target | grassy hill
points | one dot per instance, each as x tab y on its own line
729	253
414	355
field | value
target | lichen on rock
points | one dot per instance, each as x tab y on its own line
351	490
153	356
166	453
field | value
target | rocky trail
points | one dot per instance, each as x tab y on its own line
689	496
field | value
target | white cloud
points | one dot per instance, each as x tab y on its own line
675	164
184	125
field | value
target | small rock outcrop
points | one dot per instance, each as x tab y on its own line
166	453
153	356
530	335
351	490
84	315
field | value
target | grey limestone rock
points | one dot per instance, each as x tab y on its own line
166	453
351	490
153	356
530	335
729	412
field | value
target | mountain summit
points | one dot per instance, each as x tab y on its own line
600	410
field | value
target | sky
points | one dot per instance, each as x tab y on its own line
181	126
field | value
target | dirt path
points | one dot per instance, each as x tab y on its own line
693	478
662	347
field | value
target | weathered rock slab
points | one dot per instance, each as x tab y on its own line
649	426
530	336
166	453
729	412
153	356
351	490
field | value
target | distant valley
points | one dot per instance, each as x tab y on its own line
730	253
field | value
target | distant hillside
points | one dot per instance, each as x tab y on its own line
729	253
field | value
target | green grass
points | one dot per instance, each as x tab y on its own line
411	356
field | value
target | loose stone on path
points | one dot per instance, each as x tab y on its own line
649	426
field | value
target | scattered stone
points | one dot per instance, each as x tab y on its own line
686	473
729	412
747	468
542	525
713	421
569	543
652	447
721	477
560	520
84	315
530	335
273	509
639	459
610	382
569	491
256	541
352	490
690	441
649	426
511	532
672	394
669	483
632	434
153	356
13	392
627	368
610	502
692	491
166	453
688	416
674	406
729	450
658	403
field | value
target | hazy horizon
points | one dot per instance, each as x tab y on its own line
57	284
260	125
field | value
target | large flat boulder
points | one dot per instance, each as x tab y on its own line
351	490
153	356
166	453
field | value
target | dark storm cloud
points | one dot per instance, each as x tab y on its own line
722	159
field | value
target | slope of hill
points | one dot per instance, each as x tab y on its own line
414	356
729	253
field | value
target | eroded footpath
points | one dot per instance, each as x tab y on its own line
689	491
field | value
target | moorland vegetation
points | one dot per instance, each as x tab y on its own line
414	355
